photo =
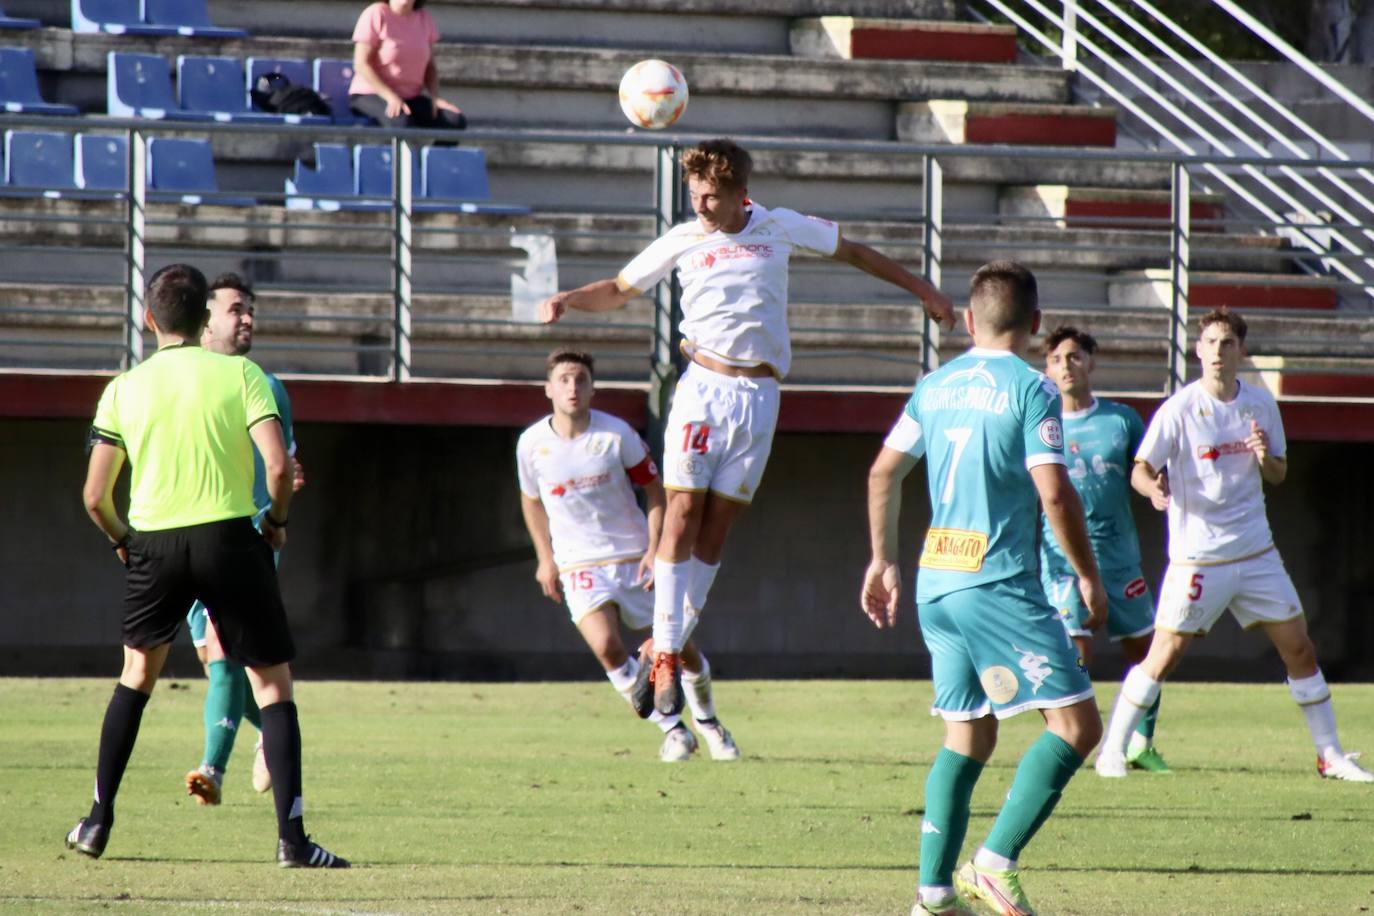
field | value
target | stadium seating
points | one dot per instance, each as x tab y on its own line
15	22
19	85
214	86
296	71
459	178
183	171
38	162
102	163
188	17
328	185
372	172
332	79
114	17
140	86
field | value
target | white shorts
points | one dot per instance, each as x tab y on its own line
591	587
719	433
1257	590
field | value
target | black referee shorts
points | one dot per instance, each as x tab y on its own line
229	567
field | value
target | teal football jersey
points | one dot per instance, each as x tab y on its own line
981	421
261	498
1099	445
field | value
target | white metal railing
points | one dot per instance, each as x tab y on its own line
1317	210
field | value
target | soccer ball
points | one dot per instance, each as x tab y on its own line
653	94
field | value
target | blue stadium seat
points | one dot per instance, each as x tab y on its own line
372	172
183	171
15	22
332	79
140	86
102	163
459	176
329	185
39	161
115	17
187	17
214	85
296	71
19	85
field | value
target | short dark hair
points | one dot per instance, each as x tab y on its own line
569	355
1086	342
1003	296
1224	316
231	280
723	161
177	297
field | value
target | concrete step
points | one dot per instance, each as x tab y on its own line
1214	289
1290	376
852	38
964	120
1093	207
551	87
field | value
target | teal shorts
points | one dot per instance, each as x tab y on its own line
195	618
999	649
1130	605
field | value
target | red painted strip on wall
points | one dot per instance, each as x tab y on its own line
1040	130
1215	295
932	44
1100	213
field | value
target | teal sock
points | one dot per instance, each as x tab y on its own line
949	787
1146	728
250	705
223	712
1040	779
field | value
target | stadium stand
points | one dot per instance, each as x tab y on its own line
39	161
328	183
188	17
459	176
184	171
102	163
140	86
19	85
114	17
17	22
215	86
332	79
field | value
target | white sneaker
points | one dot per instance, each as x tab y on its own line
679	744
718	740
262	779
1344	767
1110	766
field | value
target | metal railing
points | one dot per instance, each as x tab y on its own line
405	294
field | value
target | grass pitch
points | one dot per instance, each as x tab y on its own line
549	798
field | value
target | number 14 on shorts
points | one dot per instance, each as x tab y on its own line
695	437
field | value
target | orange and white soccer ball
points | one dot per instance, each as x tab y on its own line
653	94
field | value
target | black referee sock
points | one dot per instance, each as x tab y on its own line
281	746
117	737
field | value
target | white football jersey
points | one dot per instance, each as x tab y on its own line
586	486
1216	504
734	287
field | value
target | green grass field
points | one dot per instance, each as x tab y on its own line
549	798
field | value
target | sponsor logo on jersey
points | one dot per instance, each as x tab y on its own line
706	259
999	683
954	549
1051	433
977	371
1035	667
1213	452
1135	588
590	482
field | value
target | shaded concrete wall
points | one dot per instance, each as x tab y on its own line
408	558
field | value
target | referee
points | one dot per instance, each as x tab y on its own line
187	420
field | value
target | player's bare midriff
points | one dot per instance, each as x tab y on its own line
726	369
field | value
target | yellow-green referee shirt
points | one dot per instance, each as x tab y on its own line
182	417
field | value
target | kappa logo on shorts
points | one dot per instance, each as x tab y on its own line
999	683
1035	667
1135	588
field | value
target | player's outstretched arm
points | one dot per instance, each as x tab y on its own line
537	523
883	581
1064	511
872	261
601	296
656	501
98	494
1151	484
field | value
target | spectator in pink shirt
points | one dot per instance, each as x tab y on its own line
394	78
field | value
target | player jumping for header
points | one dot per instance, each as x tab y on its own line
732	262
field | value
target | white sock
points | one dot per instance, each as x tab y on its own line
1138	693
936	894
670	594
665	723
623	679
1314	699
697	686
700	577
986	858
1137	743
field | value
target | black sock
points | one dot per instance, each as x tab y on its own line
281	745
117	737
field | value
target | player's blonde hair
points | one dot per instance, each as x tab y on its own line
724	162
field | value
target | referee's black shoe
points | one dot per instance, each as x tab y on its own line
642	690
88	839
307	855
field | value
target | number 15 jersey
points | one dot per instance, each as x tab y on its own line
981	421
